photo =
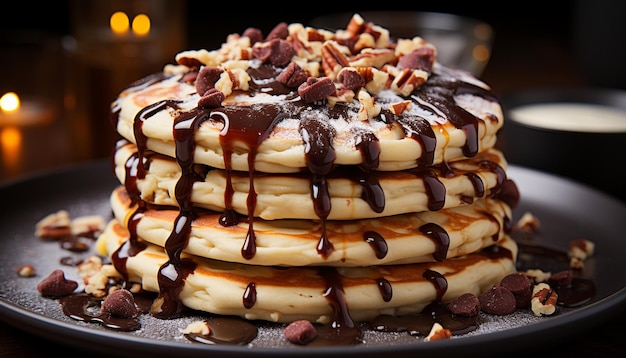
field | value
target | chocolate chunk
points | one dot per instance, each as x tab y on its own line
212	98
292	76
420	59
255	35
465	305
56	285
300	332
561	279
519	284
207	78
350	78
498	301
120	303
280	31
316	89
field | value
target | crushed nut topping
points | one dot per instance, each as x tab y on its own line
197	327
360	58
437	332
544	299
528	223
26	271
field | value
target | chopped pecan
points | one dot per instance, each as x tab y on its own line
437	332
537	275
408	81
333	59
369	109
193	58
528	223
56	285
373	57
87	226
544	299
581	248
26	271
399	107
55	226
197	327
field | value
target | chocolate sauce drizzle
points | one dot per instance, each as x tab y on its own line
250	126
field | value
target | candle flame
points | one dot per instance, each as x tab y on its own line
119	22
9	102
11	144
141	25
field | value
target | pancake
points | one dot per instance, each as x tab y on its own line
353	193
307	99
417	237
289	294
309	174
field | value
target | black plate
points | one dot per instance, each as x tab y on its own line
567	210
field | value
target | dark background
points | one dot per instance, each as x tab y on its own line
578	42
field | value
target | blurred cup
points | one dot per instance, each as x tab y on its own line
575	133
461	42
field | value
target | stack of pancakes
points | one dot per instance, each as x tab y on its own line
310	174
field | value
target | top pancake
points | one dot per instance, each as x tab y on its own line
379	104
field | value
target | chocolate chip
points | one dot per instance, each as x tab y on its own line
255	35
292	76
315	89
300	332
519	284
420	59
212	98
207	77
497	300
189	77
120	303
465	305
280	31
561	279
350	78
56	285
276	52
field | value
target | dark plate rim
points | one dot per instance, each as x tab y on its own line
78	336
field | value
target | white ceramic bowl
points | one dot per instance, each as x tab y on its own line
576	133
